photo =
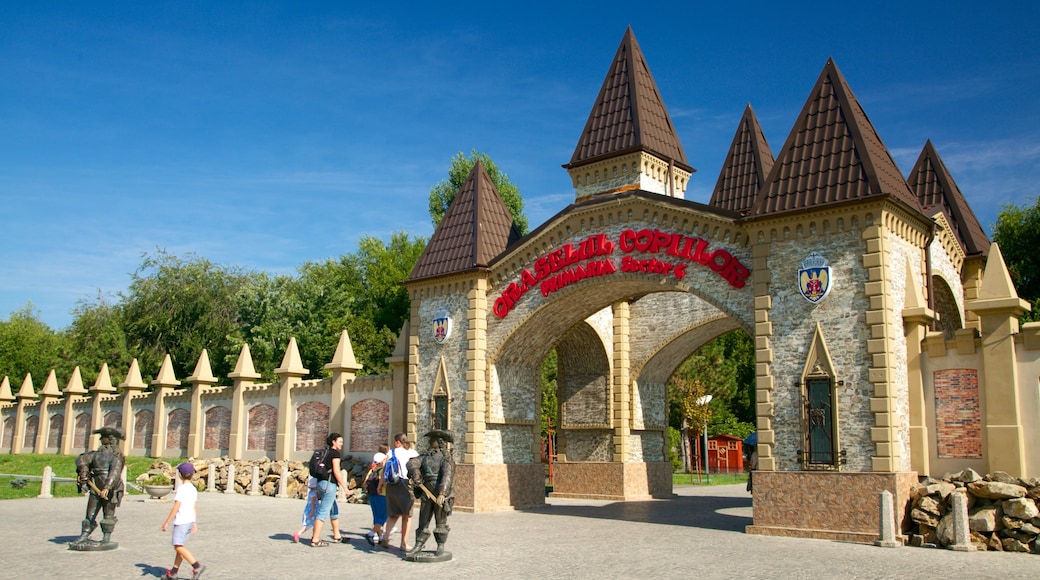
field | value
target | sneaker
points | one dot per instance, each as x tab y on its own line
198	572
168	576
371	538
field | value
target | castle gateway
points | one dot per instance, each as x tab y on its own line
884	322
885	326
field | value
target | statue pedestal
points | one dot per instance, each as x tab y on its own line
93	546
428	557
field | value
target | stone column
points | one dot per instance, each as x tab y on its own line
230	478
289	373
764	411
242	377
916	318
164	384
199	380
102	387
998	309
344	368
131	386
25	396
622	419
74	392
476	371
49	394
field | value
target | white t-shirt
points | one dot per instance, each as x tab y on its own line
188	495
403	455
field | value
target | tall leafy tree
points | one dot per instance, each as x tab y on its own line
96	337
179	306
28	346
444	192
1017	231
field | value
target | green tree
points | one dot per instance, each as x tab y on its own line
28	346
179	306
1017	231
444	192
96	337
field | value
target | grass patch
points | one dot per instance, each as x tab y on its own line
679	479
63	466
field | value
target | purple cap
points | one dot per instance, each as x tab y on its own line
186	469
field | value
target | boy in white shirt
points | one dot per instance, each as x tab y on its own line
183	516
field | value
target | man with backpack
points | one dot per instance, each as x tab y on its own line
398	491
325	467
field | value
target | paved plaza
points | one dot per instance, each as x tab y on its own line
698	534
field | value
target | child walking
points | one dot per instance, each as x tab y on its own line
183	516
309	511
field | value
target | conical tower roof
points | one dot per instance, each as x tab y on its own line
936	191
629	114
747	164
833	155
476	228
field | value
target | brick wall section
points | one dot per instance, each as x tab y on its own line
8	433
312	425
32	425
82	431
369	424
56	428
262	427
144	421
177	429
113	419
957	424
218	428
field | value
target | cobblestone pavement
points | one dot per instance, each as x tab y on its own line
697	534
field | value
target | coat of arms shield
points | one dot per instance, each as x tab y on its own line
814	278
441	326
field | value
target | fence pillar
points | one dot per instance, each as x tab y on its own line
887	517
45	483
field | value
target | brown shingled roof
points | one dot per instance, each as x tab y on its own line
629	114
476	228
832	155
747	164
936	191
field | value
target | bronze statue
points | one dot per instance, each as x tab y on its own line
100	473
432	482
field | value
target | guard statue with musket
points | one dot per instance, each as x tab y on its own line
100	474
432	482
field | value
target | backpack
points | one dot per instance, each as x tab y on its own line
372	481
392	471
320	465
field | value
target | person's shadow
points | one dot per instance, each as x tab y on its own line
149	570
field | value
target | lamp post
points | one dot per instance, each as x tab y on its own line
703	401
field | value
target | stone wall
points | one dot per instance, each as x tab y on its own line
1002	511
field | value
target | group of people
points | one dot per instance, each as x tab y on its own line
392	492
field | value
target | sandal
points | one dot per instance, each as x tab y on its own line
337	539
319	544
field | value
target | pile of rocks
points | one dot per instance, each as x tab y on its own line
270	472
1002	511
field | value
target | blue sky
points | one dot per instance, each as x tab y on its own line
265	135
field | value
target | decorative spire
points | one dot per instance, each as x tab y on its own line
133	377
476	228
747	164
27	391
203	373
343	359
166	376
832	155
629	141
244	366
5	390
291	363
50	386
75	384
103	384
936	191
